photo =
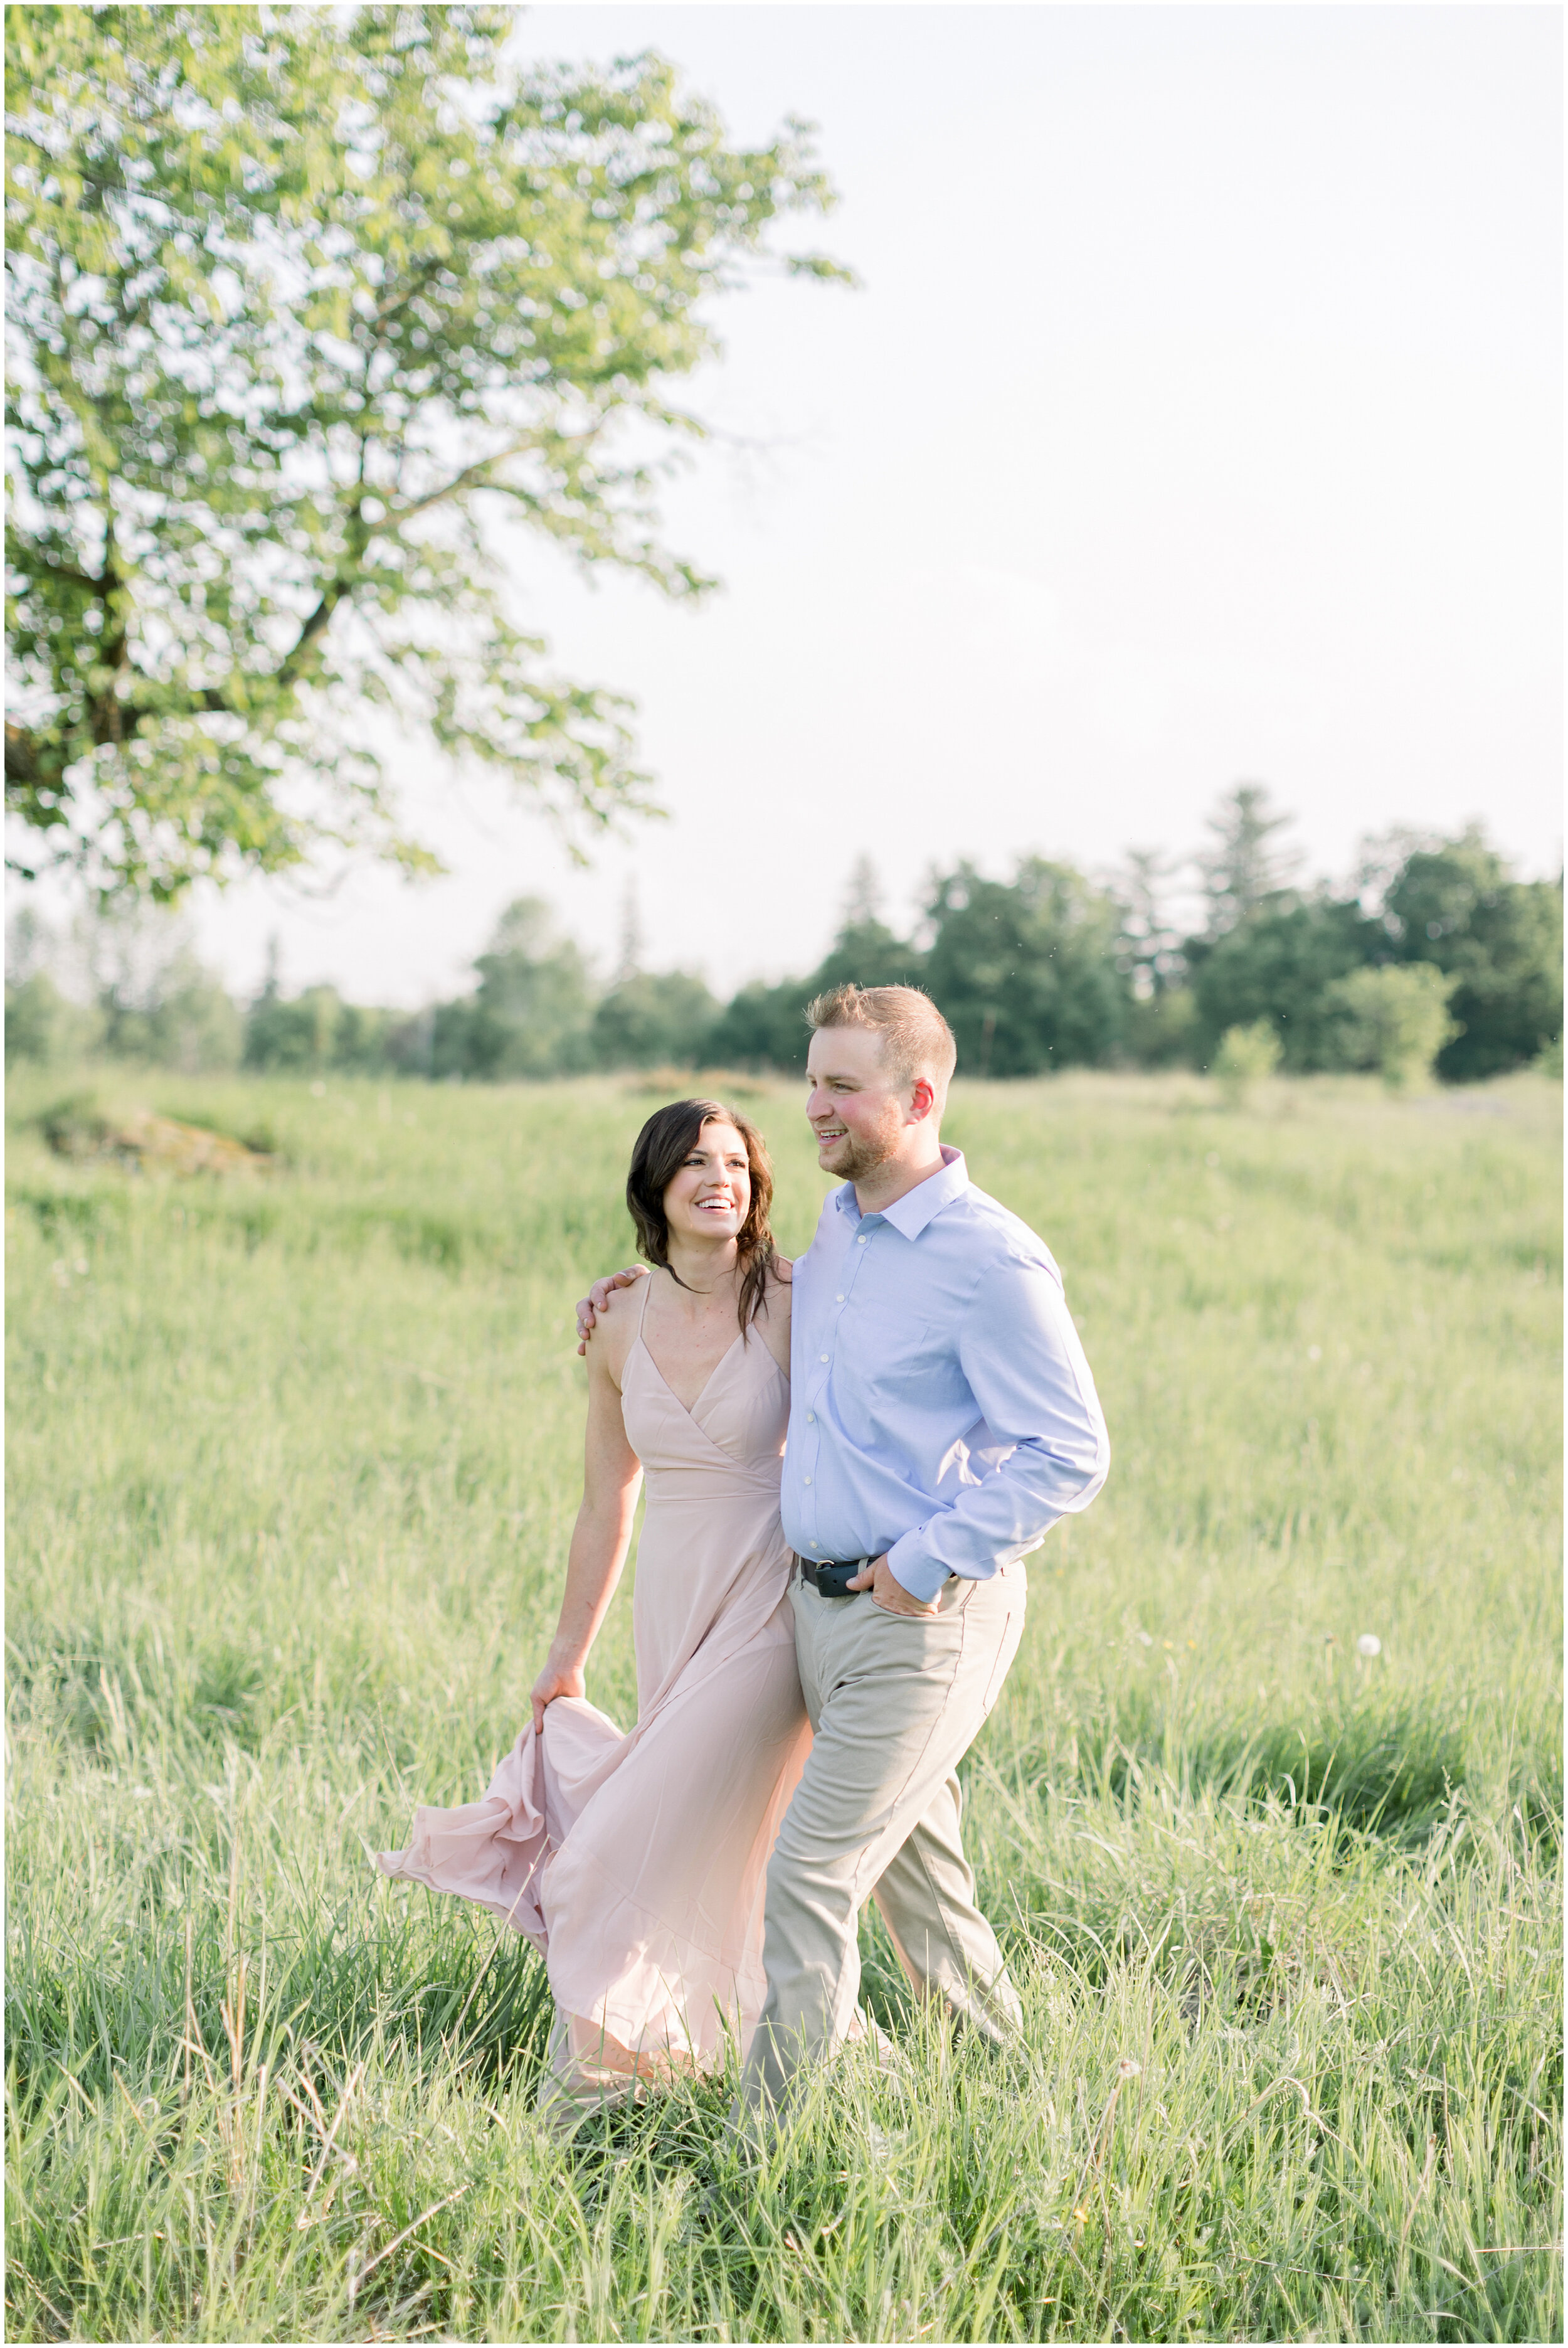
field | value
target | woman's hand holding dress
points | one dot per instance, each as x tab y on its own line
557	1678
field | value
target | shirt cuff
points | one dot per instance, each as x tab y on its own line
921	1575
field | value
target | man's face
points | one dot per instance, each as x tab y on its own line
858	1117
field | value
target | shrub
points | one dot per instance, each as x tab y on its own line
1246	1056
1395	1020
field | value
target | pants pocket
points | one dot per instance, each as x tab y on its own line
1006	1646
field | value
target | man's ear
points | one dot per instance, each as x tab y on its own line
923	1100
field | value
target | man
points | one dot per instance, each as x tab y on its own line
942	1417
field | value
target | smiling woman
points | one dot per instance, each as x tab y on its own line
635	1862
700	1173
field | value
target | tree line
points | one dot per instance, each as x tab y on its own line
1434	955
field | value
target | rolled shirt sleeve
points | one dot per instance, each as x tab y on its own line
1042	1446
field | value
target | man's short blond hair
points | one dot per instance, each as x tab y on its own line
916	1041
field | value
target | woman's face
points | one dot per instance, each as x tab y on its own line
710	1196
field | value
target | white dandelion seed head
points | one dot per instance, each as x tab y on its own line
1368	1645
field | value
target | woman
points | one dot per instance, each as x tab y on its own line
636	1862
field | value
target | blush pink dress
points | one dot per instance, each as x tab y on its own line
636	1862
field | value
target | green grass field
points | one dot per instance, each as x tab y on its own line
294	1460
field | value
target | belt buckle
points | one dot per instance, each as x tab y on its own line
832	1578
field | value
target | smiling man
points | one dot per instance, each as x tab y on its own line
942	1417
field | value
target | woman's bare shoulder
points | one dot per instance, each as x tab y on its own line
624	1304
615	1326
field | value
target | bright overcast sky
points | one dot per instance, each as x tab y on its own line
1199	420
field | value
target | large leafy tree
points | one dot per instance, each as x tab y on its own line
307	306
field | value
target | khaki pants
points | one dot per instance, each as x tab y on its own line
895	1701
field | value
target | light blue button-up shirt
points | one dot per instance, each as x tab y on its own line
941	1408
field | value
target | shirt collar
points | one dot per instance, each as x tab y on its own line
910	1214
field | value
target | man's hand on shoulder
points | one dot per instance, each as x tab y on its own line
591	1306
888	1591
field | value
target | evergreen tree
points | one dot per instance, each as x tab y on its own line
1246	866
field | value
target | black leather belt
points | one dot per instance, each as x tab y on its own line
830	1577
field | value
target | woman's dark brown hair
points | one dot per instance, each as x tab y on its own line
662	1147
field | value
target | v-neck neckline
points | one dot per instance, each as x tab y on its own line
691	1408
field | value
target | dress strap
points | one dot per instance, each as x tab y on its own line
642	1309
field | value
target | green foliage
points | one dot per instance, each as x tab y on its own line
764	1026
1162	1029
192	1024
1279	964
1049	971
650	1019
1395	1019
307	306
1027	974
298	1033
1244	867
532	1015
148	997
294	1466
1026	971
1044	971
43	1025
1500	939
1150	944
1246	1056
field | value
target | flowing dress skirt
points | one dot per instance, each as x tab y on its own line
636	1861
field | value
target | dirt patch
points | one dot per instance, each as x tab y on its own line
143	1139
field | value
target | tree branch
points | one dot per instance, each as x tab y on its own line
470	477
71	574
293	659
